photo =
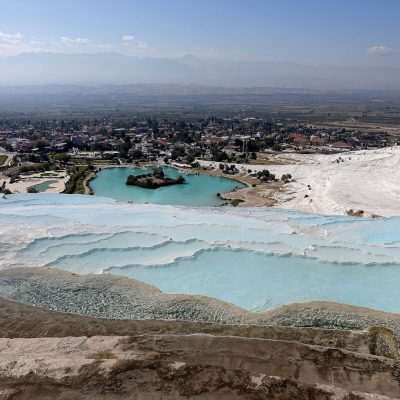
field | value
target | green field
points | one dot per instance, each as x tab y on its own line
3	159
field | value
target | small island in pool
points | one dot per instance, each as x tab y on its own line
154	180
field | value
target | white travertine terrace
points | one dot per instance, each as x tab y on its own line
255	258
361	180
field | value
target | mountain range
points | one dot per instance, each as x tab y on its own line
115	68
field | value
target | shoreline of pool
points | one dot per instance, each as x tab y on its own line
247	181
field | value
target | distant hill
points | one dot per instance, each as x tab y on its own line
114	68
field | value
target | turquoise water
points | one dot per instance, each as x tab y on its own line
252	257
258	281
199	190
42	187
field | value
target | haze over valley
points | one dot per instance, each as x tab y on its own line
116	68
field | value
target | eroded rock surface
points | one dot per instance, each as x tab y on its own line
53	355
189	366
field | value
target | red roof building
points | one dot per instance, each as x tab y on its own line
300	139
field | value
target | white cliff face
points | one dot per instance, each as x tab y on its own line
336	183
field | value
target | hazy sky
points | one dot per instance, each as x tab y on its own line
341	32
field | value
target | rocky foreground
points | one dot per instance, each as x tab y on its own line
51	355
66	336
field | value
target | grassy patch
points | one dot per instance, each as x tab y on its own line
48	174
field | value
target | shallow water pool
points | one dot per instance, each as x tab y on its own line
254	258
199	190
